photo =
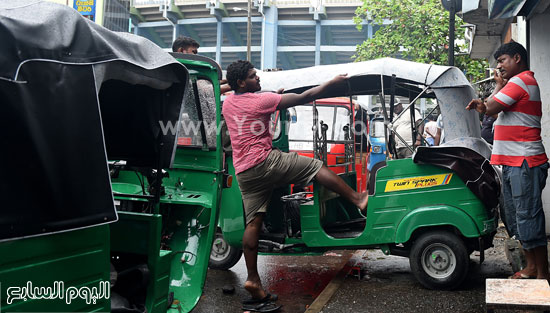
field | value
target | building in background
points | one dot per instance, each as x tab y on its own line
116	16
286	34
113	14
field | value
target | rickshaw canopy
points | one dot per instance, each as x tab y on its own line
463	151
74	95
445	83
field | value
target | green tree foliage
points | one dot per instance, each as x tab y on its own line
418	32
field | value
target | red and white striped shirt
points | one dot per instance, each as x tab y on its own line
517	128
248	119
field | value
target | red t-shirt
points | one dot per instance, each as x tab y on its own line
517	128
248	119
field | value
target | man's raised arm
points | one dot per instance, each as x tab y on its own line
292	99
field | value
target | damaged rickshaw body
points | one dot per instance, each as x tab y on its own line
88	200
436	208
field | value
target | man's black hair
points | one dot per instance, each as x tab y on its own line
511	49
237	70
184	42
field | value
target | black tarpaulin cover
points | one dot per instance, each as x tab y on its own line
72	95
474	169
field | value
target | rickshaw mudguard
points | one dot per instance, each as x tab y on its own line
461	156
440	215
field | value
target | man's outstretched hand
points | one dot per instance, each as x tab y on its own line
339	79
478	105
322	91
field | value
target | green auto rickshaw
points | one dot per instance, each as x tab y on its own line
435	208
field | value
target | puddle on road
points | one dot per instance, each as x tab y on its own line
297	280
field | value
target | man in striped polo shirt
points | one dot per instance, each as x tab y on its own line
259	168
518	148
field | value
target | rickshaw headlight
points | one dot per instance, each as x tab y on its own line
376	149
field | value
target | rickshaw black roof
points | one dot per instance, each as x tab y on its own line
74	94
40	30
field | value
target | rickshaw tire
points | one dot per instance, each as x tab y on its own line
229	260
443	239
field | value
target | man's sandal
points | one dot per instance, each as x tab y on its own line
269	297
518	275
263	307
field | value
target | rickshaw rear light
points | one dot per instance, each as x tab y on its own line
340	159
227	180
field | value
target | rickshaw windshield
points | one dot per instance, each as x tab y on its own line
300	133
377	128
189	133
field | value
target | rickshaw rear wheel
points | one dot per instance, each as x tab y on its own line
439	260
223	256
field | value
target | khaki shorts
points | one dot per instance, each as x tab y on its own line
277	170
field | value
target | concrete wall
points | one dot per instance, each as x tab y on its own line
539	53
519	31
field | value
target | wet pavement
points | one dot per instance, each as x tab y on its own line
297	280
386	283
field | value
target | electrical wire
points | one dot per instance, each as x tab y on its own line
141	183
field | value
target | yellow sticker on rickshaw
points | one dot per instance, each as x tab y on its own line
418	182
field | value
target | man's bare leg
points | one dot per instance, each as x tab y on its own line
531	267
541	259
251	236
330	180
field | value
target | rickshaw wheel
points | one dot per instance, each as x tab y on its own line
439	260
223	256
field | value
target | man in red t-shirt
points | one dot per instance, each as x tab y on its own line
517	146
259	168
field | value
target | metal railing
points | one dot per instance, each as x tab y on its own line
148	2
300	3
